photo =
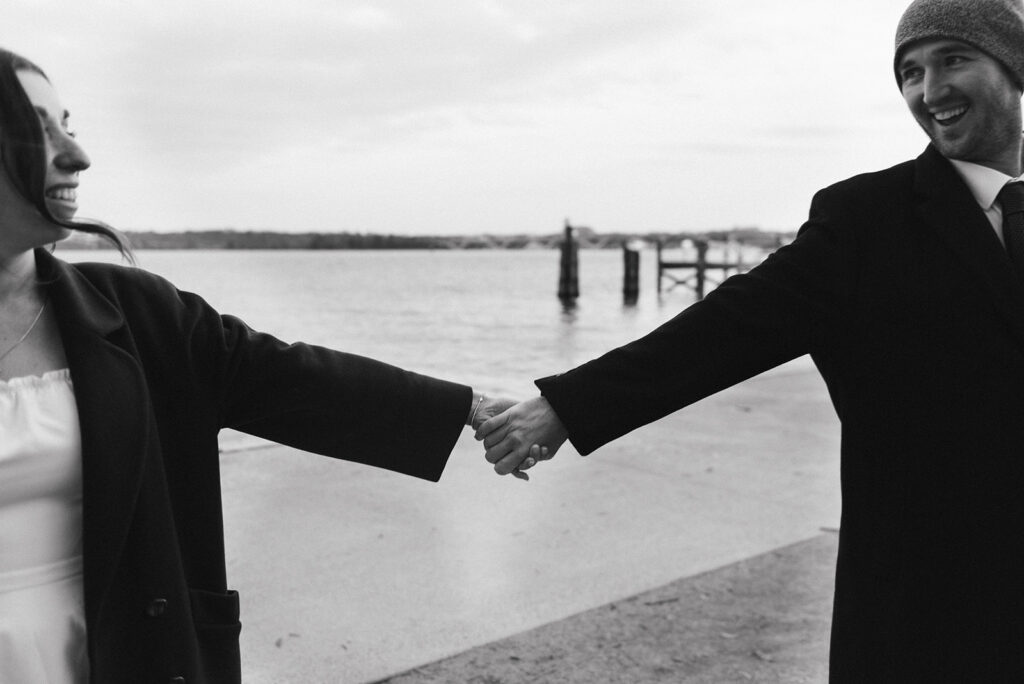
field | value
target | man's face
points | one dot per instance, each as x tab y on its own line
965	101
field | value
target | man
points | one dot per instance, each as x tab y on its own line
901	287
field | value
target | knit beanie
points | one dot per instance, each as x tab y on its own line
993	26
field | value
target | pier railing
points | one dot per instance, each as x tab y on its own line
702	263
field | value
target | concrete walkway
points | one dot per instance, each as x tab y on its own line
350	575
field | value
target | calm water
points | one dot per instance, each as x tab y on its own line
487	318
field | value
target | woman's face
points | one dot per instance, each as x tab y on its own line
64	156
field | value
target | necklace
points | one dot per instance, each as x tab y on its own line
27	332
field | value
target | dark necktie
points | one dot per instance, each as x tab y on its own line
1011	197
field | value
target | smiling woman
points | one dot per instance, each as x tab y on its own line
40	155
114	386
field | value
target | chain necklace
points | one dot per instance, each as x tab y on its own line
27	332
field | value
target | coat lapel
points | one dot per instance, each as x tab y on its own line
110	393
946	204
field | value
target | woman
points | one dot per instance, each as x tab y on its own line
113	387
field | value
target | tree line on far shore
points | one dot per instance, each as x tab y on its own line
238	239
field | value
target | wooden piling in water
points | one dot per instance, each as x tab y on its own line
569	270
701	267
631	273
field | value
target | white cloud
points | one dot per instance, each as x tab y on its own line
416	116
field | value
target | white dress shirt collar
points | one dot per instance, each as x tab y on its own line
984	183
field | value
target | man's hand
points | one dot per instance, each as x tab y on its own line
521	436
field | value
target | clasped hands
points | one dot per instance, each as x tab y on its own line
520	435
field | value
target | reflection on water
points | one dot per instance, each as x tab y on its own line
568	310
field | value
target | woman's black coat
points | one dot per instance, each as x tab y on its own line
157	374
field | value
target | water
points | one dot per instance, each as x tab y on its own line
489	318
349	574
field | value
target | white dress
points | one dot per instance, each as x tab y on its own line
42	615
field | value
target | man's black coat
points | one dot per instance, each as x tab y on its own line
900	290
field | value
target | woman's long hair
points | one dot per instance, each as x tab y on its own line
23	149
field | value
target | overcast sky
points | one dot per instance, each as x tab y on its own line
468	116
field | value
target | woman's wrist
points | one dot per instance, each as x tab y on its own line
478	398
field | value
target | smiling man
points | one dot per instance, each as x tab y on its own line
961	71
906	287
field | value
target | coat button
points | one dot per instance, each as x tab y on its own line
156	607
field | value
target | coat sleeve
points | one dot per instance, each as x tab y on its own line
306	396
791	304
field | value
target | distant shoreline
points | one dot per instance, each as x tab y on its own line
239	239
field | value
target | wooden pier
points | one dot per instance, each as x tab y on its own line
706	260
693	273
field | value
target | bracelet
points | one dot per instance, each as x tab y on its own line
476	408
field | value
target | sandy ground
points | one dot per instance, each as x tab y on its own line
764	619
349	574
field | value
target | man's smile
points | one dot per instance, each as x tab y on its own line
948	117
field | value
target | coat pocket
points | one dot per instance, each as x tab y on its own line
215	616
